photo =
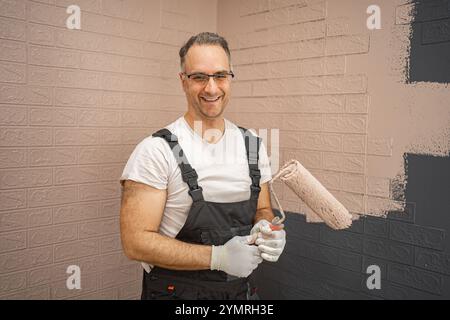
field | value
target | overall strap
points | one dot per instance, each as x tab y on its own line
252	144
188	173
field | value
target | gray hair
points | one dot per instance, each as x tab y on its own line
204	38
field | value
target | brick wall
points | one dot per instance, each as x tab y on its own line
73	104
291	61
430	39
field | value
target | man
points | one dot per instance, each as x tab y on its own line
195	205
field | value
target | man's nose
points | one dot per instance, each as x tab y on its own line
211	86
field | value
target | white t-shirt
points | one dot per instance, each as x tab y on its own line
222	170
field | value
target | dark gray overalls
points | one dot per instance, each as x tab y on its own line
208	223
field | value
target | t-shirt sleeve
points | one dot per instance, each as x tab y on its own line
149	163
264	165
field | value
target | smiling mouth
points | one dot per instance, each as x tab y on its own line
210	99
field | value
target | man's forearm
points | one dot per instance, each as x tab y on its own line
265	213
169	253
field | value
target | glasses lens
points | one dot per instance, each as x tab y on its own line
221	76
200	77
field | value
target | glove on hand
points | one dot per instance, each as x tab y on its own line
237	257
270	242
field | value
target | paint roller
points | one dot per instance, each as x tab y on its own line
311	192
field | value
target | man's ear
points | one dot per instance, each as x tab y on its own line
182	80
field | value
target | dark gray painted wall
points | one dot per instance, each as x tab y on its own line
430	42
411	248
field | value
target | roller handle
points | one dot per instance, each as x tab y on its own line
277	224
276	227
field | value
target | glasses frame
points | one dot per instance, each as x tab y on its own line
214	76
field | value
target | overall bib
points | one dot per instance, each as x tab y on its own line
208	223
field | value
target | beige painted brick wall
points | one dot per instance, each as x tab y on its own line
73	104
291	60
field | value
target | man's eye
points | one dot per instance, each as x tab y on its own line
199	77
221	76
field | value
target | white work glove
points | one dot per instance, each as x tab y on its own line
259	227
270	242
237	257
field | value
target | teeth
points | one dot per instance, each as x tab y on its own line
210	100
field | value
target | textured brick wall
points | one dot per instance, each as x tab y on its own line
291	64
430	39
73	104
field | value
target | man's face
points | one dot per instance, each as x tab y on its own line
208	100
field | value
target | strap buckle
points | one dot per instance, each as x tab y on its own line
190	177
255	175
255	172
256	180
196	194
